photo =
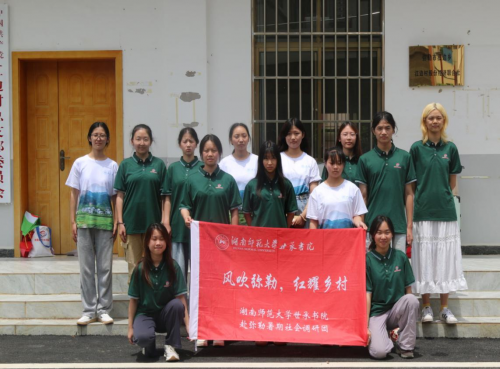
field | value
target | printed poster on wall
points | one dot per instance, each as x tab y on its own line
5	184
281	285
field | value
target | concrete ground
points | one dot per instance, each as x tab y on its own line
96	351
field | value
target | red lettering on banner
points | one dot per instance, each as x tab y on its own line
283	285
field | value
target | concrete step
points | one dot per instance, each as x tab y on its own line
467	327
61	327
470	303
55	275
482	272
60	275
68	306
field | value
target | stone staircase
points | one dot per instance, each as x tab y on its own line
42	297
478	309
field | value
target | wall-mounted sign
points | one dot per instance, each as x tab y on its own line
438	65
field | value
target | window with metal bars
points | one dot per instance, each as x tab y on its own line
321	61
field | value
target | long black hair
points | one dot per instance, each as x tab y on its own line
97	125
356	150
233	127
147	261
271	148
304	144
376	223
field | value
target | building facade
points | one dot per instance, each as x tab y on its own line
210	63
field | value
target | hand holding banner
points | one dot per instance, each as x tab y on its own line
274	284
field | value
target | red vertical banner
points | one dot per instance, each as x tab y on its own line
5	142
283	285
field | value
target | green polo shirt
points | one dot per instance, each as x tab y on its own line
271	207
349	172
385	175
153	298
177	175
433	165
210	197
143	183
386	278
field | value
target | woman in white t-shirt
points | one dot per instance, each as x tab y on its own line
241	164
300	168
336	203
93	226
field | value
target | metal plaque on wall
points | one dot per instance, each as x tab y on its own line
437	65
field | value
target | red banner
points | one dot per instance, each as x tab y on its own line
275	284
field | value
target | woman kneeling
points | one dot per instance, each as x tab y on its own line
389	300
157	296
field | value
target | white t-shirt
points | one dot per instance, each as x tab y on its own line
242	170
95	180
334	207
300	171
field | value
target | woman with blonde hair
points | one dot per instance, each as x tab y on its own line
436	254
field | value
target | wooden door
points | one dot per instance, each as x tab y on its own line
42	117
86	95
63	100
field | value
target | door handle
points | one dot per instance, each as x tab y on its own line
61	159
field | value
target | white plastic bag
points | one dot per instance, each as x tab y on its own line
42	243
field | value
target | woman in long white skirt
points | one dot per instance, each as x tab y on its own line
436	252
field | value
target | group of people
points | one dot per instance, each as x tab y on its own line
401	198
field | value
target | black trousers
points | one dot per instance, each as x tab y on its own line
168	320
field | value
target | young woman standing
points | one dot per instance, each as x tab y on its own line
389	300
336	203
91	212
385	176
141	182
436	252
177	175
300	168
210	194
241	164
269	199
348	140
157	293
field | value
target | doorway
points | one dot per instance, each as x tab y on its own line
55	99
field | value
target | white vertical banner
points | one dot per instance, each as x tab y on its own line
194	290
5	140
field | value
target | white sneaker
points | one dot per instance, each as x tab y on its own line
84	320
201	343
427	315
218	343
105	319
448	316
171	354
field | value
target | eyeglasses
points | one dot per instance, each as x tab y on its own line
96	136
